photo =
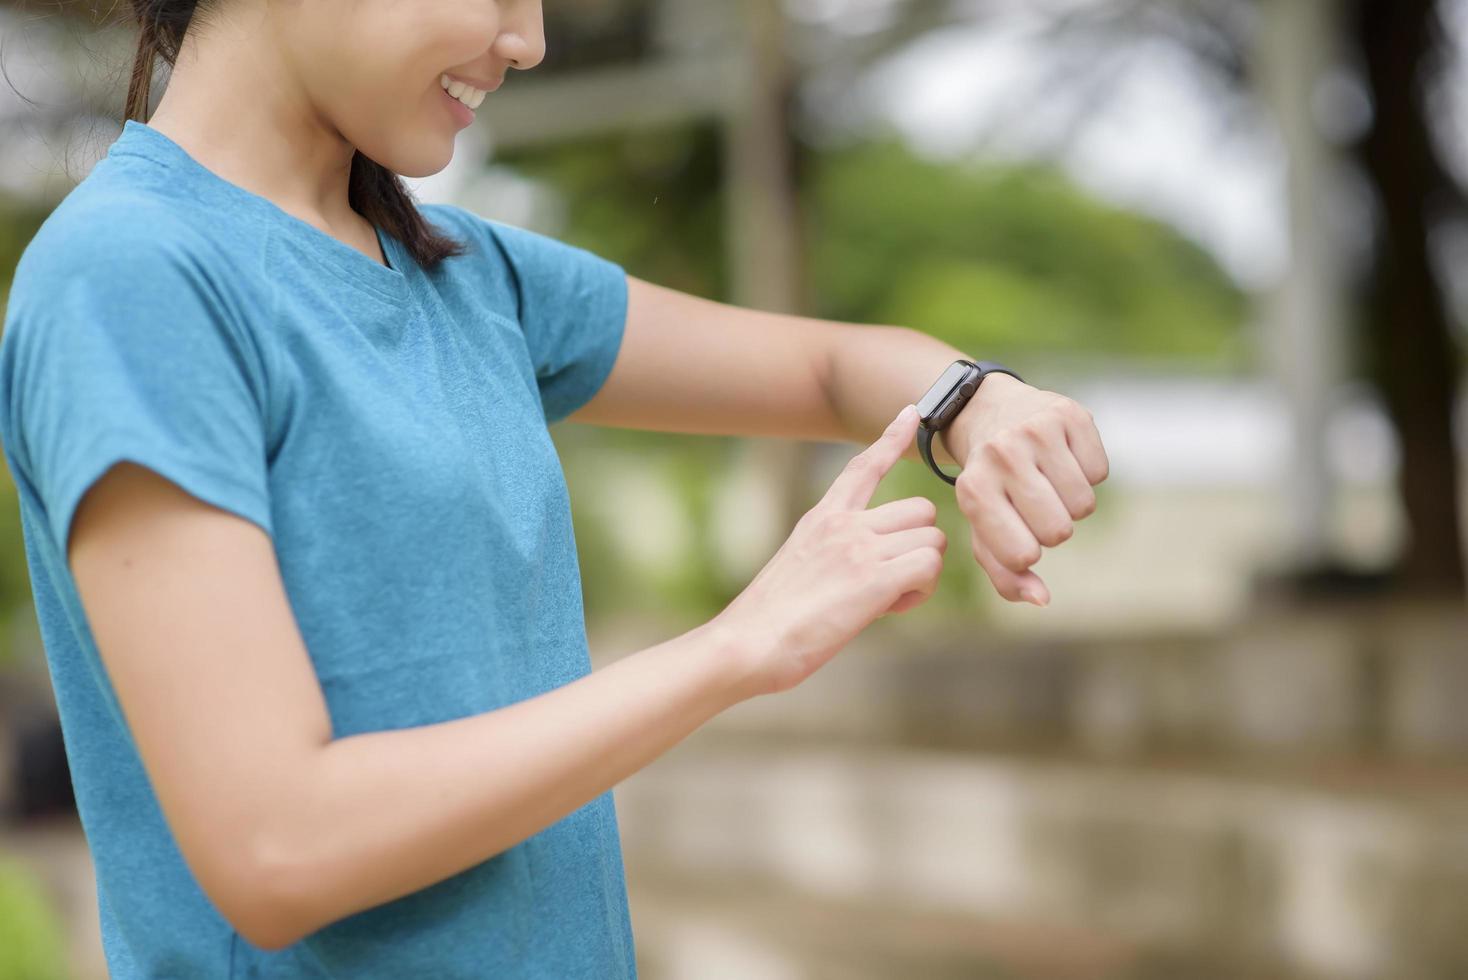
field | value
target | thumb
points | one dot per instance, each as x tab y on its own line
854	487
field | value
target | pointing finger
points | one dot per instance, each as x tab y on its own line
854	486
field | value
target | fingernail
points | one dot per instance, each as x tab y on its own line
1031	596
906	413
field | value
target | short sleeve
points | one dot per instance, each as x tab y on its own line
132	356
572	307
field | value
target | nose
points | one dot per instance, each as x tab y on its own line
521	42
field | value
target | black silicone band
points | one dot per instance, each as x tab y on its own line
925	446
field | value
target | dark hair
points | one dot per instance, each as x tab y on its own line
373	191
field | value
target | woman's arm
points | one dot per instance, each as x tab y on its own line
286	829
381	814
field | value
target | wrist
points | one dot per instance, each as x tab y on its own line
734	657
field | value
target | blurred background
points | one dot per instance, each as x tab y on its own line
1234	744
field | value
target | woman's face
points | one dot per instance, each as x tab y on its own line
372	67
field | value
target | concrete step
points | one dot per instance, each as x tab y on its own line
1334	876
692	926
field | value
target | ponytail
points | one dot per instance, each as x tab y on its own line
373	191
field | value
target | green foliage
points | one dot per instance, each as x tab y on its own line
649	201
32	944
1008	261
1005	261
694	466
15	584
18	225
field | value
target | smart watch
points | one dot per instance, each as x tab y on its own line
942	403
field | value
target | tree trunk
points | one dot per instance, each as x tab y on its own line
1412	356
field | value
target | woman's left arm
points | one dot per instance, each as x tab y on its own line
1030	457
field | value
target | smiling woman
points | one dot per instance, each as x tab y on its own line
299	540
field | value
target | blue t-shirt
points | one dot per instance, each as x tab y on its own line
387	426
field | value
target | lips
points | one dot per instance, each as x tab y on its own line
463	115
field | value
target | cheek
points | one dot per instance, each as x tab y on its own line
442	34
394	113
386	53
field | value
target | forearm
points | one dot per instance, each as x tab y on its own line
376	816
875	370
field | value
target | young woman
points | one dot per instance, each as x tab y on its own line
300	542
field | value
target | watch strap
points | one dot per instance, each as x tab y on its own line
925	446
993	367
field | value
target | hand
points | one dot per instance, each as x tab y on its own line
841	568
1033	457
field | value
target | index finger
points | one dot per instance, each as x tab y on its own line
853	487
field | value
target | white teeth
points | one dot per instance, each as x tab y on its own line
467	94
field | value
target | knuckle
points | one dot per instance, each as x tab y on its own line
1086	506
964	494
1059	534
858	463
998	453
1020	558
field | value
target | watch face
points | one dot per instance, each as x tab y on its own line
942	388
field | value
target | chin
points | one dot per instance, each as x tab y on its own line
423	169
426	159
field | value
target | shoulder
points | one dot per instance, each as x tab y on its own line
111	242
131	211
117	273
91	227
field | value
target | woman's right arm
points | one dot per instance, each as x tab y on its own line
288	829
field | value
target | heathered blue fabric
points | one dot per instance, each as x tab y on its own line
388	428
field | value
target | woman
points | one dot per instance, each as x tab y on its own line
300	541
